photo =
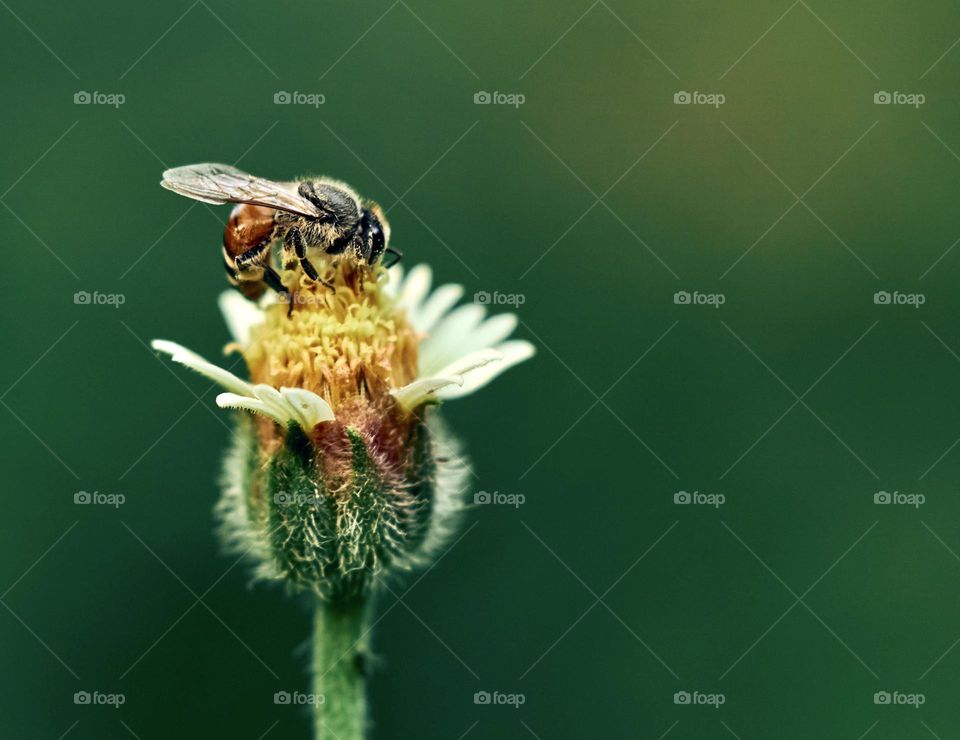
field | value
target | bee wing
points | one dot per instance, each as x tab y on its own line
221	183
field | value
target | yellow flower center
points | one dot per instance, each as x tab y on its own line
345	343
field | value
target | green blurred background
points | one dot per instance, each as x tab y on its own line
597	200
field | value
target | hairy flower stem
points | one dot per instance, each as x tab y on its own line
340	644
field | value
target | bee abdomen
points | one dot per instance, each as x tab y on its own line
249	227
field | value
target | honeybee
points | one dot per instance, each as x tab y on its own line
321	214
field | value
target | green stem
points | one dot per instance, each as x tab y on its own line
340	643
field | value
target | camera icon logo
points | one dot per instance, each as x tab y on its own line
681	298
281	697
881	497
81	298
682	98
81	697
881	697
482	98
82	97
282	497
481	697
282	97
882	98
482	297
882	298
482	497
682	497
82	497
681	697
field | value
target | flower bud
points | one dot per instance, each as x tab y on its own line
335	516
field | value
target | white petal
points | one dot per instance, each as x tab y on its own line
284	406
271	399
195	362
297	405
420	391
512	353
268	299
516	351
415	288
472	361
239	314
234	401
492	331
448	341
436	306
394	279
310	406
455	374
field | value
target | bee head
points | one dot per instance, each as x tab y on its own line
375	233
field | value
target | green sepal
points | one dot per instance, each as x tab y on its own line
301	525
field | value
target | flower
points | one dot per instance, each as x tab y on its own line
342	472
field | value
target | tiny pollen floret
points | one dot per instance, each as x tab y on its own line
342	473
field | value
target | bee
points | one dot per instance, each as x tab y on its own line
312	214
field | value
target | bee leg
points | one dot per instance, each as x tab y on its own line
396	254
295	239
257	257
272	279
300	249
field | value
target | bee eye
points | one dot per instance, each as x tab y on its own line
374	237
378	240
